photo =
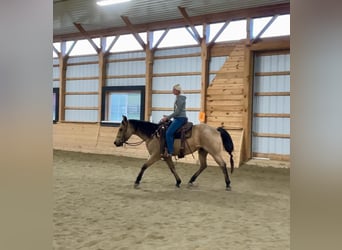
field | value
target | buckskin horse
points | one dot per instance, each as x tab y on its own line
204	139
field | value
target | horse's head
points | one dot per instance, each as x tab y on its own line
124	133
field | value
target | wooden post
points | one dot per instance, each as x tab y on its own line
63	58
149	77
102	73
205	51
247	106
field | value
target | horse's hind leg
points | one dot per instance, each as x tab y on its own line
219	160
171	166
202	154
149	162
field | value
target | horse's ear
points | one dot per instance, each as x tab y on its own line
124	119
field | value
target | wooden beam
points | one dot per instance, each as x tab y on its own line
224	26
161	38
168	92
287	136
112	44
148	78
189	22
102	78
272	93
87	36
56	51
70	49
273	115
205	57
134	32
276	73
82	93
264	29
62	86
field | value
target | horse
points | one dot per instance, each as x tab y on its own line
204	139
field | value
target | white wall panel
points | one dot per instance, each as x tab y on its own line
55	72
55	84
78	59
129	55
271	145
192	82
81	115
177	65
126	82
167	100
217	62
126	68
272	83
82	86
192	116
177	51
271	104
82	70
81	100
271	125
272	63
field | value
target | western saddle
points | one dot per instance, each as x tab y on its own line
182	133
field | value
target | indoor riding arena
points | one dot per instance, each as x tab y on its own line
232	60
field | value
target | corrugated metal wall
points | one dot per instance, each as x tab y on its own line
271	106
82	79
55	73
173	66
126	69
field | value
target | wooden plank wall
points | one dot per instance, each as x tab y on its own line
92	138
225	98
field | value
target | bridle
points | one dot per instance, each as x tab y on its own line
125	141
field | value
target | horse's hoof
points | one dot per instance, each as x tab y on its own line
136	185
228	189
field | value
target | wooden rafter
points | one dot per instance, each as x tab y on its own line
264	29
87	36
135	33
218	33
112	43
192	26
56	50
70	49
161	38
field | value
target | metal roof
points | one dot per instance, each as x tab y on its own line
97	19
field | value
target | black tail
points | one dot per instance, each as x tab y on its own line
228	145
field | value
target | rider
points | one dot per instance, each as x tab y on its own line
179	118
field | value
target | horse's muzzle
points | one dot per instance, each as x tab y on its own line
118	143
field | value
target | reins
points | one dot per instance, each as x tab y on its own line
134	143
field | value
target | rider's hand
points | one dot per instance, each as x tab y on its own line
164	119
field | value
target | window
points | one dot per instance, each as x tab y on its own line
55	105
118	101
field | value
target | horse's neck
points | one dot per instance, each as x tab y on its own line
138	132
142	136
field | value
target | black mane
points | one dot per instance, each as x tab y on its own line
147	128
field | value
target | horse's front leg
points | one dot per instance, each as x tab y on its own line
171	166
148	163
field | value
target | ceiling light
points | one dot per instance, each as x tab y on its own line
110	2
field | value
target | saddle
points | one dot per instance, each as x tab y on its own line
182	133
